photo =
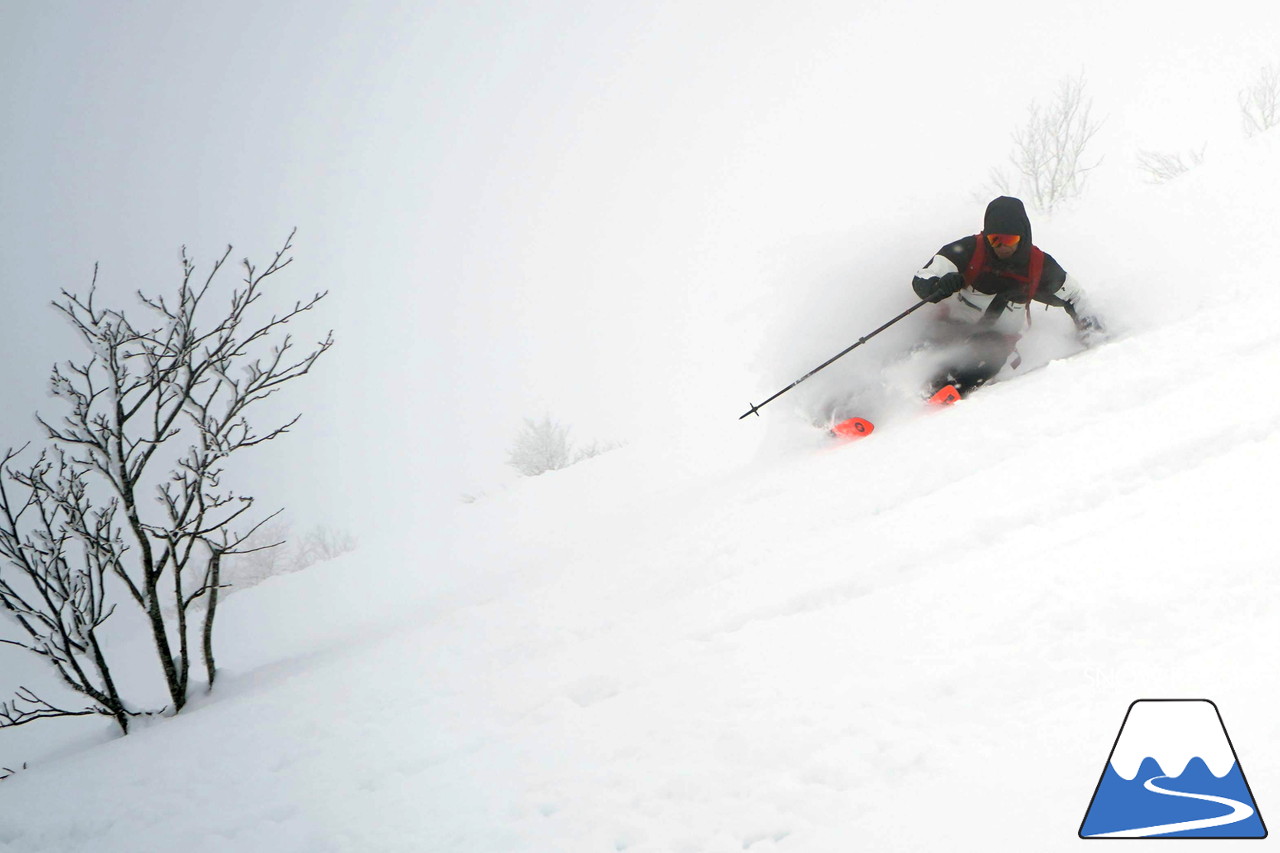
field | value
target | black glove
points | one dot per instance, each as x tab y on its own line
1090	330
942	287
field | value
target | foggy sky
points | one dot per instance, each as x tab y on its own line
529	208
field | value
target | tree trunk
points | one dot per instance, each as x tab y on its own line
215	567
151	581
177	691
114	704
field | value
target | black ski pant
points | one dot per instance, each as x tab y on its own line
974	356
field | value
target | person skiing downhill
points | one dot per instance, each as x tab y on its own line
988	282
994	276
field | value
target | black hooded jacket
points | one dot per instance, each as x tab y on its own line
1005	215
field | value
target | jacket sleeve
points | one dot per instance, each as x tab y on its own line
1058	287
953	257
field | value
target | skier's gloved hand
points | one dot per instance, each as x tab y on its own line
1090	331
943	286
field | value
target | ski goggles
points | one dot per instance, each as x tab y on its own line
998	240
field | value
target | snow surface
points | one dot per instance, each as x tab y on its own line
752	639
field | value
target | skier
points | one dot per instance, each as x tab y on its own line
994	277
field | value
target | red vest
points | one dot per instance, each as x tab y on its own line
978	263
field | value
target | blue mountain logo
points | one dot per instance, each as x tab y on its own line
1173	773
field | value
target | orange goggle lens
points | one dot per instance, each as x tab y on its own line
998	240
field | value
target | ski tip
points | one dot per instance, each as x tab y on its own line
853	428
945	396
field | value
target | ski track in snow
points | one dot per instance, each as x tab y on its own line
1145	468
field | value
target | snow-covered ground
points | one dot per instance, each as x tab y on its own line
749	638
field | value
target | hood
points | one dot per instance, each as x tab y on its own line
1007	215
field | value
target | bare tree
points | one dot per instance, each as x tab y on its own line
1049	149
1260	101
1161	167
156	410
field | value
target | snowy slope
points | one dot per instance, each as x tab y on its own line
752	640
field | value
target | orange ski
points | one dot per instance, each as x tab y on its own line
945	396
853	428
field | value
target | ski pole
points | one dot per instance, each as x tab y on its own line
755	410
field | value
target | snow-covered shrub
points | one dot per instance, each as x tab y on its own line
273	550
322	543
544	445
1260	101
1161	167
539	447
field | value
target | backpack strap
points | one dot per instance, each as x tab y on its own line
1035	268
